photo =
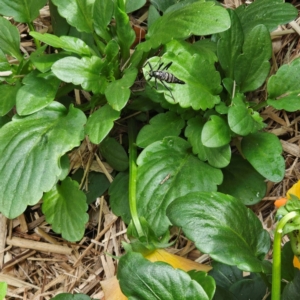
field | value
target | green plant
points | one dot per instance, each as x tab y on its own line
187	174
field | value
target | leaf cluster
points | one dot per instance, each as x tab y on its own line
202	151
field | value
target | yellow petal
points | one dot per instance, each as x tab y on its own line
111	289
111	286
294	190
176	261
296	262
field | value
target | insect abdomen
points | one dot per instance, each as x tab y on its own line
167	77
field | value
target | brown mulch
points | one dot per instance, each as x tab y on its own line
38	264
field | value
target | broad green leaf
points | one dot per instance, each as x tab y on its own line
38	91
132	5
44	61
85	71
160	126
141	279
283	87
216	157
96	187
166	170
252	66
68	43
250	287
9	39
118	197
78	13
222	227
241	119
125	33
263	151
225	275
30	153
230	45
163	5
270	13
65	209
23	11
118	91
215	133
8	97
202	81
3	290
114	154
102	15
100	123
68	296
292	289
287	267
197	18
242	181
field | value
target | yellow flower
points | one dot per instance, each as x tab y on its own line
294	190
111	286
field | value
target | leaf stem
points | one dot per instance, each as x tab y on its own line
132	177
36	41
100	44
276	276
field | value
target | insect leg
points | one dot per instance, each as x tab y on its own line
167	89
167	66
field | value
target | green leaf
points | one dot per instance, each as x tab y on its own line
197	18
166	170
241	119
132	5
292	289
215	132
65	209
125	33
3	290
118	197
202	84
283	87
68	43
97	184
42	61
287	267
10	39
114	154
160	126
8	97
217	157
141	279
222	227
23	11
270	13
30	153
100	123
78	13
263	151
230	45
118	91
67	296
102	15
38	91
243	182
85	71
252	66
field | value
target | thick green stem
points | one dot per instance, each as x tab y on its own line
36	41
100	44
276	272
132	177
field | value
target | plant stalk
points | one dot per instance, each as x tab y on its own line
132	177
276	272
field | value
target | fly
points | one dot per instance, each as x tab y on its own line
163	76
